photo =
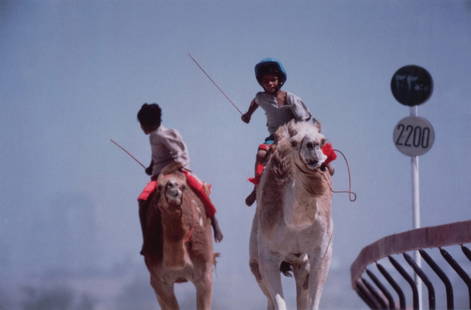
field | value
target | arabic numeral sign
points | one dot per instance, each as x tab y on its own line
414	136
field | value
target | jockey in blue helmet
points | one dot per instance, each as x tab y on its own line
270	66
280	107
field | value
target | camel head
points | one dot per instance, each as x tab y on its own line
175	232
306	141
172	192
296	176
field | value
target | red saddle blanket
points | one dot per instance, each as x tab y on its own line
195	184
148	189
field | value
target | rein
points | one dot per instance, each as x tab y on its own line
352	196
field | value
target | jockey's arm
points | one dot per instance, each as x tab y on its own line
252	108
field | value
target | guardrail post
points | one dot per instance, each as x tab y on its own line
463	275
395	286
408	278
423	276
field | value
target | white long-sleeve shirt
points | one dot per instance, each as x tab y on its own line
167	146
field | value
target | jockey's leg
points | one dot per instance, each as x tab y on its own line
259	166
329	168
218	236
142	217
197	186
144	201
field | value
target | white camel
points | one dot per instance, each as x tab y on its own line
292	227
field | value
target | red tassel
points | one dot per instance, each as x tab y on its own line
328	151
258	174
198	188
148	190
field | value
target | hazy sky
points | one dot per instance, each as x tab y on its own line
74	73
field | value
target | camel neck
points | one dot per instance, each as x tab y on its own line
174	248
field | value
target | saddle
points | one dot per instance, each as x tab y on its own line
201	189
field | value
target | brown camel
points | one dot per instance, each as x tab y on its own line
292	227
178	243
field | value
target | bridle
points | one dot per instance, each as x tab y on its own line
304	170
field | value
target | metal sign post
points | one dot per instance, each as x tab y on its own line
413	136
415	190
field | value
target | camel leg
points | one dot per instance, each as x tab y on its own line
270	282
301	276
254	260
317	277
255	268
204	290
267	275
165	294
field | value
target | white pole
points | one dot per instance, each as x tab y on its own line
416	208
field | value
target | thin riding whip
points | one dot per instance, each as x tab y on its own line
125	151
214	83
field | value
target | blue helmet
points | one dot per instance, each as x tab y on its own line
270	66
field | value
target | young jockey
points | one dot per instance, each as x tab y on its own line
169	153
280	107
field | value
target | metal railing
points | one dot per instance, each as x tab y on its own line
396	270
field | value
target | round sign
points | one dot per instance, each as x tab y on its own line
413	136
411	85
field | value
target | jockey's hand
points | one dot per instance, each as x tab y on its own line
245	117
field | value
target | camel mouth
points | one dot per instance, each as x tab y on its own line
173	199
308	169
308	165
310	154
173	194
312	164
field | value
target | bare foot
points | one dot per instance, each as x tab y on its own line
218	236
331	169
251	198
328	168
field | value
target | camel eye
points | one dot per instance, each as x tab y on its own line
294	143
310	145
